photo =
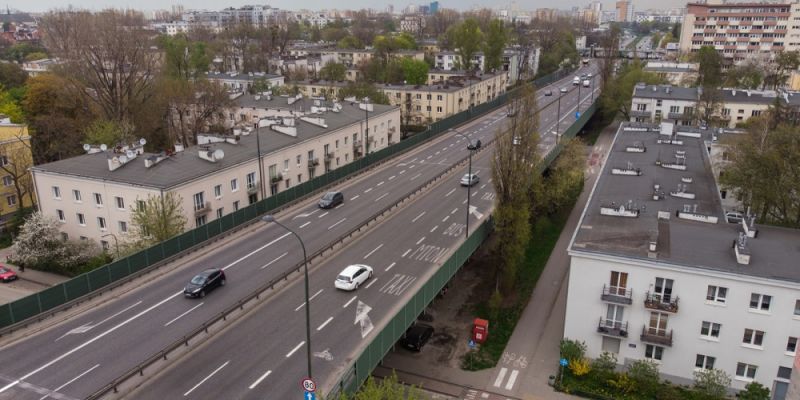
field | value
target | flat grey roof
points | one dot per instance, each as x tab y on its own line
188	166
705	246
661	92
748	96
669	69
240	77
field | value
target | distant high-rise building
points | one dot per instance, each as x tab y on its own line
624	11
596	6
434	7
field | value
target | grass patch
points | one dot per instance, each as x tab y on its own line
546	232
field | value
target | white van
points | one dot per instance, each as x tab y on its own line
586	83
576	81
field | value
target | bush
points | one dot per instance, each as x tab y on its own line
572	349
712	383
39	246
644	373
754	391
580	367
606	363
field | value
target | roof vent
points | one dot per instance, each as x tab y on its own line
733	92
155	159
690	213
207	154
621	210
682	193
629	170
741	250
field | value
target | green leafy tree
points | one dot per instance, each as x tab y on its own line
350	42
744	76
9	107
359	90
572	349
415	72
467	38
158	219
183	58
496	40
333	71
754	391
605	364
260	85
644	374
11	75
710	72
784	62
616	96
111	133
388	388
564	180
713	383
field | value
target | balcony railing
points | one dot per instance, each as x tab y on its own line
328	157
313	162
615	294
612	328
640	113
656	301
656	336
681	116
276	178
252	187
203	208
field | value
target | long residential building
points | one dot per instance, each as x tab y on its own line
93	195
15	159
656	272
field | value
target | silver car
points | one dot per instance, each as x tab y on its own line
469	180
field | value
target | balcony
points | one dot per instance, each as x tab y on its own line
276	178
329	157
680	116
612	328
654	301
619	295
641	113
313	162
252	187
203	208
656	336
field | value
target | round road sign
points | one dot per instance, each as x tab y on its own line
308	385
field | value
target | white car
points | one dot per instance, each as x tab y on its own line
353	276
563	90
468	180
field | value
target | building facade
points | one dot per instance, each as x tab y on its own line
237	82
624	11
15	158
678	74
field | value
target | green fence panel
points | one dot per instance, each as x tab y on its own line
186	240
6	318
172	246
119	269
76	287
155	254
52	297
25	307
138	261
99	278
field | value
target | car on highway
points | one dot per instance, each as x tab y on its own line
589	75
563	90
7	275
204	282
353	276
331	199
416	336
469	180
548	92
576	80
586	83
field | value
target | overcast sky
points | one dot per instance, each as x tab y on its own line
44	5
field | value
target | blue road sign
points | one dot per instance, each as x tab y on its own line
563	362
309	396
577	114
471	344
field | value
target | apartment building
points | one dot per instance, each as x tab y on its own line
510	62
239	82
656	273
15	159
92	195
678	74
624	11
741	30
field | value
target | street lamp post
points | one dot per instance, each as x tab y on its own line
558	114
269	218
366	129
579	97
260	160
116	243
470	147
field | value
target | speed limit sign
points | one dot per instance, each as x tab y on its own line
309	385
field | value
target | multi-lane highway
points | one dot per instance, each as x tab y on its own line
77	357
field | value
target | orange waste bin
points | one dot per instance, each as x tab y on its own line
480	330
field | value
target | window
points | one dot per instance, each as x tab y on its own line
123	226
3	161
674	109
753	337
797	307
710	329
236	205
101	222
56	192
791	345
704	361
663	290
716	294
653	352
104	244
199	201
11	200
760	302
286	161
60	214
746	371
140	205
218	191
234	185
439	110
98	199
81	219
7	180
76	195
251	180
120	202
784	373
618	283
200	221
219	212
299	178
300	158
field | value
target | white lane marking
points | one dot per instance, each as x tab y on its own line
273	261
500	377
368	190
306	214
420	240
179	316
295	348
412	167
444	148
392	177
380	183
390	266
373	250
434	228
418	216
454	211
483	186
474	193
429	157
407	251
372	282
446	218
464	202
450	192
382	196
323	214
206	378
319	328
443	160
416	176
339	206
355	197
305	225
512	379
70	381
340	221
261	378
311	298
349	301
402	172
87	327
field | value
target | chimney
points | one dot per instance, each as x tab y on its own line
741	250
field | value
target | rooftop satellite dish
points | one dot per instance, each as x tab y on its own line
87	147
142	141
123	159
219	154
130	154
103	147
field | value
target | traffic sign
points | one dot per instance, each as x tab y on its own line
309	385
577	114
471	344
563	362
309	396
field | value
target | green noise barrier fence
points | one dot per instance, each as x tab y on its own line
35	306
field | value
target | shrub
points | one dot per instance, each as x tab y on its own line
606	363
712	383
572	349
754	391
644	373
622	383
39	246
580	367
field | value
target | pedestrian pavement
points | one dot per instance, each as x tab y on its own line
46	279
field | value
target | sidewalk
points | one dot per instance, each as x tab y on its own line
45	279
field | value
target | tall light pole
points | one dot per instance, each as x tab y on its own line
470	147
366	130
579	96
558	115
116	243
260	161
269	218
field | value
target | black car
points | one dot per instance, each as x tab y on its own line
416	337
331	199
204	282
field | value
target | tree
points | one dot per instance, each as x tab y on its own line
16	164
11	75
39	245
754	391
616	96
744	76
560	185
784	62
360	90
609	40
572	349
438	23
514	165
389	388
644	374
9	107
350	42
468	39
415	72
496	39
158	219
111	133
710	72
333	71
184	59
712	383
193	105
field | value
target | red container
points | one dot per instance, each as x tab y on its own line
480	330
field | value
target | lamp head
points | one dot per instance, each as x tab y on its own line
268	218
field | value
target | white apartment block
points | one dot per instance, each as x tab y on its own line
678	74
238	82
93	194
656	272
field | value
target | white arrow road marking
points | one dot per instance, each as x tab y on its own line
474	211
305	214
324	354
363	319
89	326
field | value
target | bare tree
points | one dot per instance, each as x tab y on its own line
16	160
438	23
609	42
193	106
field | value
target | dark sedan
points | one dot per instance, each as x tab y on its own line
416	337
204	282
331	199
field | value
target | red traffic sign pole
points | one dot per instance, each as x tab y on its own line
308	385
